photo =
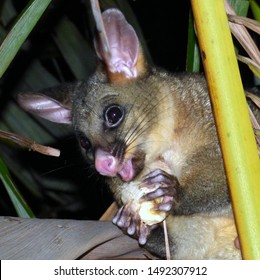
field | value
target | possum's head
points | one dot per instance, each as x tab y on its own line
112	110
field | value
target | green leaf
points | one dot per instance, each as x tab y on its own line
193	54
24	25
21	207
255	7
240	7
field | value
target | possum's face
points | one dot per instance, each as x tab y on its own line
111	122
113	111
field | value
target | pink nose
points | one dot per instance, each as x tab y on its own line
108	165
105	163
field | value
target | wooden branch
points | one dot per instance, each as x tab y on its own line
30	144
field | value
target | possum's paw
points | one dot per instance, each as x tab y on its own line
146	204
163	190
129	221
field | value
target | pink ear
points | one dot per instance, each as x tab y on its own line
45	107
122	55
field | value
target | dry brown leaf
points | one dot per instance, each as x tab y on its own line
254	98
256	126
120	247
53	239
251	64
244	38
247	22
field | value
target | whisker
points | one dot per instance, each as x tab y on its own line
141	127
130	109
145	121
141	144
146	109
57	169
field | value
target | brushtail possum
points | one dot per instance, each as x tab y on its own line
153	135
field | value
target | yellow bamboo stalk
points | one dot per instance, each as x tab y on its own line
237	140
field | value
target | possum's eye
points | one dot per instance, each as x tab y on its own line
84	143
114	115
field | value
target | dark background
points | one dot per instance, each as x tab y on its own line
164	25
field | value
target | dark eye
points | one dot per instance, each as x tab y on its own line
84	143
114	115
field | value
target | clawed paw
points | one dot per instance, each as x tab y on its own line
130	222
146	204
163	189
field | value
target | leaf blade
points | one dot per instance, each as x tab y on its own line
22	208
20	31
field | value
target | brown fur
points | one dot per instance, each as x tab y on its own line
169	126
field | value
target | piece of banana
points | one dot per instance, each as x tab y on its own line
133	193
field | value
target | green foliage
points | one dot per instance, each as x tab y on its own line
22	208
255	7
193	54
19	32
240	6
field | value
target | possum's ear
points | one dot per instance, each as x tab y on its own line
118	47
45	107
